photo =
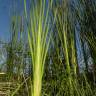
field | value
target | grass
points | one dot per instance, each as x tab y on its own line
39	42
52	47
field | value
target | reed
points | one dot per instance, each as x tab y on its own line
39	40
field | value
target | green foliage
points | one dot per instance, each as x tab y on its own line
51	44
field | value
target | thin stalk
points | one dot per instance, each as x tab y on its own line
39	39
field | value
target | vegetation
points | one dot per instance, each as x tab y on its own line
52	50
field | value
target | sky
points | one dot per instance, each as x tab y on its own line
4	19
6	12
6	9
